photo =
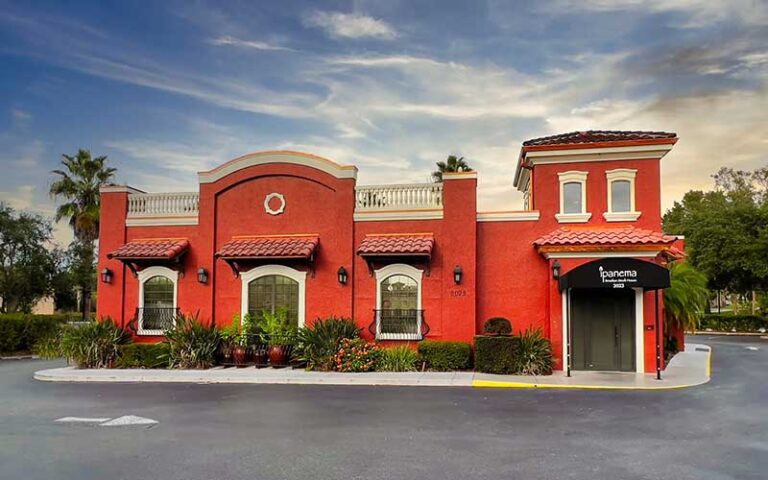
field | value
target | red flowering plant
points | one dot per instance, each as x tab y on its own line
356	355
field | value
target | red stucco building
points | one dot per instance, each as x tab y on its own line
407	262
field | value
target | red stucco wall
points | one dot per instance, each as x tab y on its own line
503	275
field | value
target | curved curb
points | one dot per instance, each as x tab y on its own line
532	385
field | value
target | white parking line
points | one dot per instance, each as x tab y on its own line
81	420
128	420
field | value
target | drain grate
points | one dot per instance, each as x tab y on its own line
700	349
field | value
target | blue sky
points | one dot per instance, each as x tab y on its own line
166	89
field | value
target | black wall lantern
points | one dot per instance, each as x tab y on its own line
202	275
457	274
556	270
106	276
342	275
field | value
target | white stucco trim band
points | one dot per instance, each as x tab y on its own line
161	221
264	158
395	215
526	216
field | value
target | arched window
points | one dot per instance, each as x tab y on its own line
157	300
398	312
272	293
273	287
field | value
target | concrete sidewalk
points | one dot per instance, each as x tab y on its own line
686	369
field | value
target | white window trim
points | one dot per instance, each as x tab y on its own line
145	275
573	176
621	174
265	270
386	272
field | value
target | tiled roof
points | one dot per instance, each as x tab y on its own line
151	248
288	246
599	236
416	244
597	136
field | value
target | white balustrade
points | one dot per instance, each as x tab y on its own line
163	204
418	196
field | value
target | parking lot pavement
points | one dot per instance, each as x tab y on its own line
715	431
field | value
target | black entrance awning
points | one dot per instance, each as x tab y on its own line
617	273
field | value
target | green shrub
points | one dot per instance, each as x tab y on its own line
144	355
496	354
319	343
534	353
20	332
398	359
192	344
94	345
497	326
357	355
446	356
729	323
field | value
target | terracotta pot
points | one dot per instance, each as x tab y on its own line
259	355
278	355
240	356
225	354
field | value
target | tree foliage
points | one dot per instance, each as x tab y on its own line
726	229
78	185
452	164
686	298
27	267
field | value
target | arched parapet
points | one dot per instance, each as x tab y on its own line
279	156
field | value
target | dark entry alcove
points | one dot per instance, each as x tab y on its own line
603	329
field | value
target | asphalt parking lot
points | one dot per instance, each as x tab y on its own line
716	431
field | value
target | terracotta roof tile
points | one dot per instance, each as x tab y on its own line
397	244
151	248
597	236
297	246
597	136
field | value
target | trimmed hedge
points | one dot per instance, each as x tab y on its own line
446	356
497	326
144	355
496	354
20	332
728	323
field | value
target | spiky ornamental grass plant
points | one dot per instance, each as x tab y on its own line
94	345
192	344
686	298
319	343
398	359
534	356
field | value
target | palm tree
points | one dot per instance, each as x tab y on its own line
685	299
452	164
78	185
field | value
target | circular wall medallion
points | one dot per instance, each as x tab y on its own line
272	199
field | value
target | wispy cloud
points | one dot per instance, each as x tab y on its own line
20	116
250	44
350	25
698	13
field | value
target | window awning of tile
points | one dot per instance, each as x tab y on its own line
143	252
385	247
600	239
240	250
